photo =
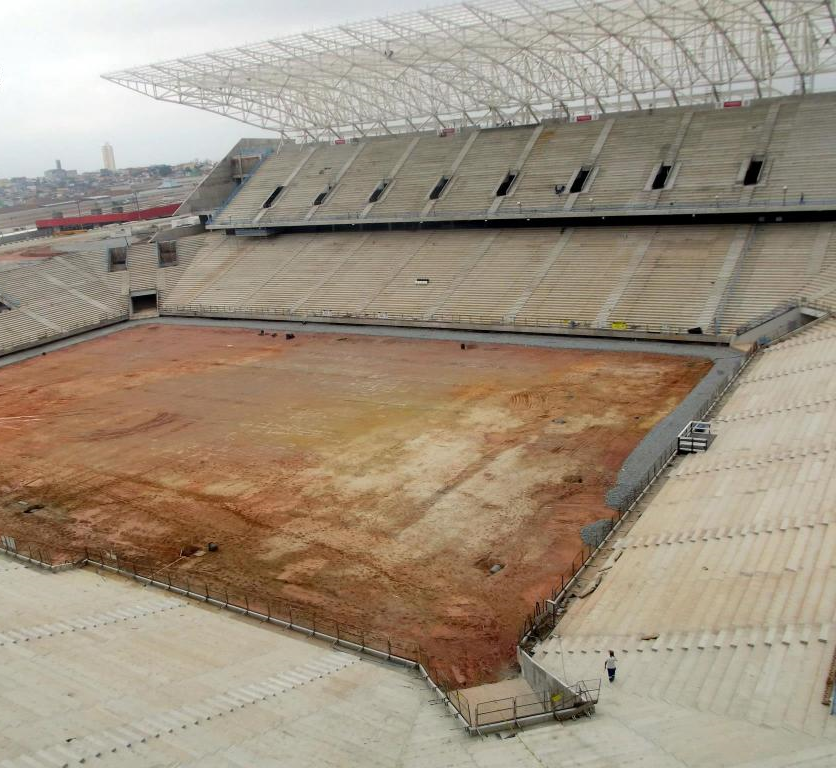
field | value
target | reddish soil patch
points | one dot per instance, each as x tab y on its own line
33	253
376	479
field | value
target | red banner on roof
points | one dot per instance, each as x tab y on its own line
159	212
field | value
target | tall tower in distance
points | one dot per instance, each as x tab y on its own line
108	161
57	165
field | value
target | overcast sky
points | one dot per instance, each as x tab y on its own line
54	104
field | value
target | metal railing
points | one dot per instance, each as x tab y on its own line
270	610
504	712
30	551
583	204
583	698
544	617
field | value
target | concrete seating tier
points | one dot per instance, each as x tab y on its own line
718	142
101	670
187	248
250	197
432	158
803	167
821	271
661	278
675	277
376	161
492	155
319	171
775	266
143	262
707	148
622	176
58	296
559	151
721	598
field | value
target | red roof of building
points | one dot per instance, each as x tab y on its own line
160	212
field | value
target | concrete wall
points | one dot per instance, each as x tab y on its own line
175	233
781	324
539	679
220	183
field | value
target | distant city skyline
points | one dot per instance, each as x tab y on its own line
54	103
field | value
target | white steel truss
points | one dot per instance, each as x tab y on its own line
504	61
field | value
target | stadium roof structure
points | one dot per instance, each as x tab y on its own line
504	61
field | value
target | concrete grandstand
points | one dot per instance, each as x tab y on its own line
582	179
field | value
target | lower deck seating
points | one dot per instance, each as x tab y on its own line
58	296
666	279
658	279
721	598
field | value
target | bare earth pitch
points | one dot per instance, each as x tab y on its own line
375	478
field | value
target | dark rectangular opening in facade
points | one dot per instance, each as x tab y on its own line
4	307
753	172
320	198
142	303
661	177
580	180
378	191
506	184
273	195
117	258
439	187
167	253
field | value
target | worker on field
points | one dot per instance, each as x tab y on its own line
609	665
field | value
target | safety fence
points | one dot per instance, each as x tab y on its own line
34	552
275	611
581	699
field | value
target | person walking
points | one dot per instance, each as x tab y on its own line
609	665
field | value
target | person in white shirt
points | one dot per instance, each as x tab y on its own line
609	665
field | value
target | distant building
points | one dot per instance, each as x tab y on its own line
57	165
108	161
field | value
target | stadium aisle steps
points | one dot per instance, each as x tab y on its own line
729	566
250	196
374	163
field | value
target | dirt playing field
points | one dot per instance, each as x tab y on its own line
377	479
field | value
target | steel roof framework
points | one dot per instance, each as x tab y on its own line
504	61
